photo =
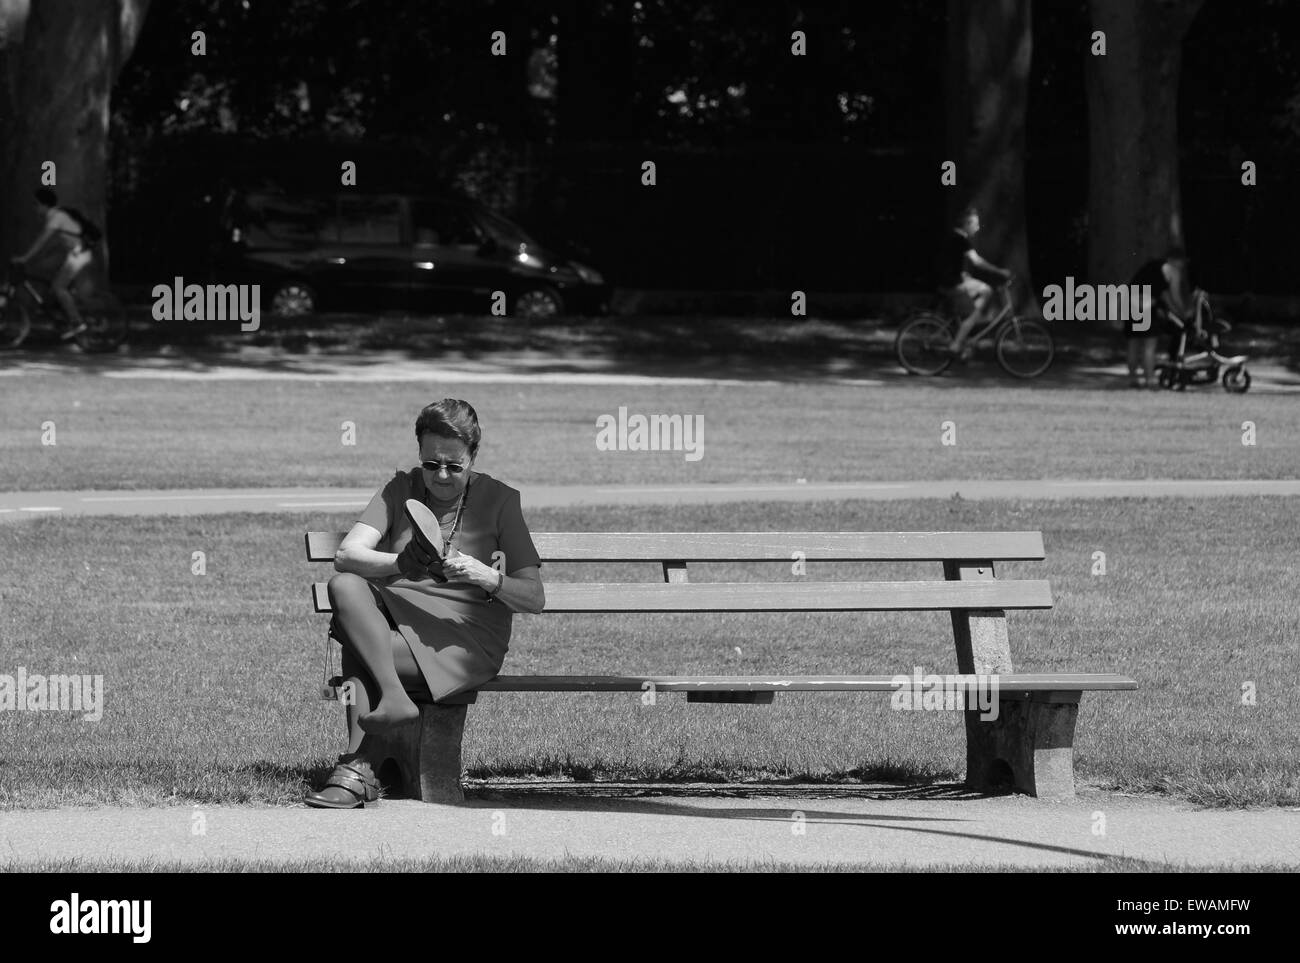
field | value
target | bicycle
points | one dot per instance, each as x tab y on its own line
1024	348
1202	367
24	305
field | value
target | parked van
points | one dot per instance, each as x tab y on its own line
359	251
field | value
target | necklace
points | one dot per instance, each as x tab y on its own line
455	525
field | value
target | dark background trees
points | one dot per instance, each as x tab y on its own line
990	47
1134	181
59	60
817	172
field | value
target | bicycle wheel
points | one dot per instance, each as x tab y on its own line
15	321
106	325
922	345
1025	349
1236	380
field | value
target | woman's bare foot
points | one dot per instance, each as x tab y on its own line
392	711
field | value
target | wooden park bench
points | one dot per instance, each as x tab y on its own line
1029	745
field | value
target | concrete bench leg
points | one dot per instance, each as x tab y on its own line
427	756
438	755
1031	743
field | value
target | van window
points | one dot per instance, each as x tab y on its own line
443	225
369	220
269	220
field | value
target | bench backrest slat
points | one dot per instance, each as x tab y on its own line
761	546
783	596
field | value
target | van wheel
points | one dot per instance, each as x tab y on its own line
293	299
538	304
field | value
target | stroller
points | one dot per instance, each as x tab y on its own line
1195	358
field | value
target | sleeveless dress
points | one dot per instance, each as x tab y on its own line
456	632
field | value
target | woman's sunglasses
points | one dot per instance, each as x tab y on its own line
435	466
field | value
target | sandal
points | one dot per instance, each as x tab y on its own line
426	532
425	528
346	788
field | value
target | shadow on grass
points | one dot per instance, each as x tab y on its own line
754	348
886	781
498	790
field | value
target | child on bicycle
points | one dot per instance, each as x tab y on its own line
65	233
960	262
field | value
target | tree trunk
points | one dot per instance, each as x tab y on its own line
1134	204
987	87
58	62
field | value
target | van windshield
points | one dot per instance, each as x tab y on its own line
506	233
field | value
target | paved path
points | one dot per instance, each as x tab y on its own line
883	831
216	501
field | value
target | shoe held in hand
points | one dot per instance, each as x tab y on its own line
426	531
413	561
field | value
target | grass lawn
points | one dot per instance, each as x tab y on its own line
211	680
141	433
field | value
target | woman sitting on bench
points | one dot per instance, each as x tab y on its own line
425	592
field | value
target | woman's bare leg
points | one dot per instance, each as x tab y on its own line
370	639
364	691
1133	354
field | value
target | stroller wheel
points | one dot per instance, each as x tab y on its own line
1236	380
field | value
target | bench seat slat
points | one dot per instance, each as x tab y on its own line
1013	682
592	597
761	546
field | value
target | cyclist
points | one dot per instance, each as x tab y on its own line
65	233
1171	305
960	262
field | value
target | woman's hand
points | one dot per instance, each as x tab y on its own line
466	568
413	561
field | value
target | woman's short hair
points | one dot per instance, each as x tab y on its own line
450	418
